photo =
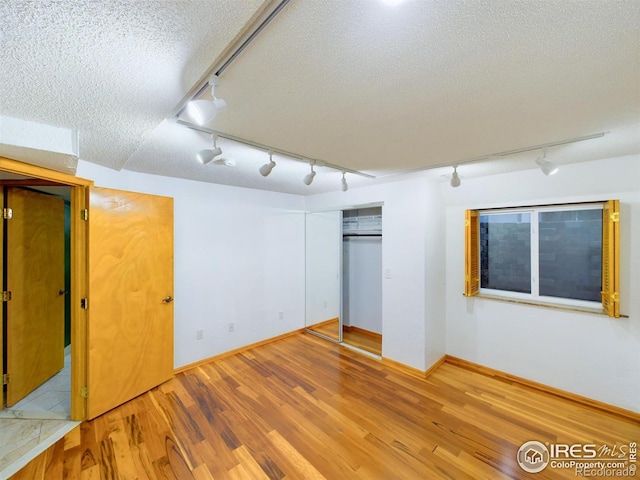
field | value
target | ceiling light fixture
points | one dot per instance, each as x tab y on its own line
547	166
208	154
266	169
203	111
345	186
455	178
308	179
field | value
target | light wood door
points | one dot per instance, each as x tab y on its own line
35	278
2	308
130	287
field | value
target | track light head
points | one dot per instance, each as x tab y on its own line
547	166
308	179
455	178
208	154
345	186
203	111
266	169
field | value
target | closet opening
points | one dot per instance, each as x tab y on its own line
362	279
343	273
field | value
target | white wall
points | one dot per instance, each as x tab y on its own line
222	274
412	299
587	354
239	258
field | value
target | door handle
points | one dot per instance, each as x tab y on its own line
62	292
167	299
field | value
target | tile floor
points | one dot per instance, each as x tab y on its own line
36	422
50	401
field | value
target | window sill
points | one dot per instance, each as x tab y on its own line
555	306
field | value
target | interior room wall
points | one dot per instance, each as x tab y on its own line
413	327
239	258
587	354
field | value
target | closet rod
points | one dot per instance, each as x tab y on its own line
361	234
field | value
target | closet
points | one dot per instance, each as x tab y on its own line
362	279
344	276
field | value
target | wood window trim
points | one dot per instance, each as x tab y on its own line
472	253
610	259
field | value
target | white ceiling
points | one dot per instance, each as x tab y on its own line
356	83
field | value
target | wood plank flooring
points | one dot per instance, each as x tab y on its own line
303	407
357	337
368	341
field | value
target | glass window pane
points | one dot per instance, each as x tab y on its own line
505	252
571	254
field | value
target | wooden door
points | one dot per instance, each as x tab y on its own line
35	278
130	332
2	307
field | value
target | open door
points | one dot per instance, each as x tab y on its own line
130	334
2	306
35	278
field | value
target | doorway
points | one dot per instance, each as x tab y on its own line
343	276
362	279
36	274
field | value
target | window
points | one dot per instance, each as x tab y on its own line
566	254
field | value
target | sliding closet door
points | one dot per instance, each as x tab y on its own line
323	275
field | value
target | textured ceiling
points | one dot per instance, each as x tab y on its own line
111	69
356	83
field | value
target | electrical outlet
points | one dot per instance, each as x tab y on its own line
199	334
325	304
281	315
231	327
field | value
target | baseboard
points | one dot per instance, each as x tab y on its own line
415	372
362	331
435	366
184	368
491	372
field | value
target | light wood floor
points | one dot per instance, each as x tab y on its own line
303	407
367	341
358	338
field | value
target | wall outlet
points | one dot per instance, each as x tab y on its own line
231	327
325	304
281	315
199	334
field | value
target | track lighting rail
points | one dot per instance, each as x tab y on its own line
266	148
506	153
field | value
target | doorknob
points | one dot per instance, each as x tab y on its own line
167	299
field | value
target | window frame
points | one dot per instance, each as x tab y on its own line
610	298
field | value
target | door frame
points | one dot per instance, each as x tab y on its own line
79	195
